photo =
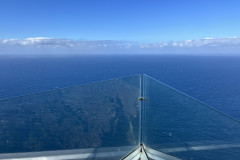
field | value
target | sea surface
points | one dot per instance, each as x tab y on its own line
209	79
213	80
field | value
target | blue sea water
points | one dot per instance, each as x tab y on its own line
212	80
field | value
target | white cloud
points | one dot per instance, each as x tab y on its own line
41	45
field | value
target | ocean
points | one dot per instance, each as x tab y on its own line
210	79
62	122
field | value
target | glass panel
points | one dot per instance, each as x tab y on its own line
102	114
178	125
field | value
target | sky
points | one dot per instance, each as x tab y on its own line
47	25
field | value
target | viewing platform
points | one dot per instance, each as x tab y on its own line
128	118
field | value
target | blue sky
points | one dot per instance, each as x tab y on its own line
143	21
135	20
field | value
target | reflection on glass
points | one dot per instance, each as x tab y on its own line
180	126
108	114
102	114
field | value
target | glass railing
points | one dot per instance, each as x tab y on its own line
178	125
97	115
110	119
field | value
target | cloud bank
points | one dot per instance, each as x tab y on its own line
50	46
